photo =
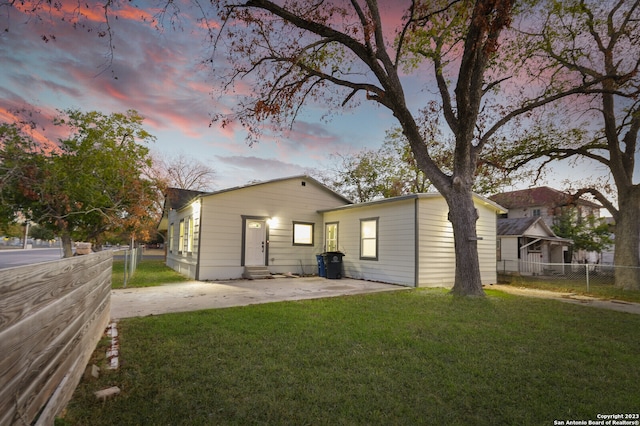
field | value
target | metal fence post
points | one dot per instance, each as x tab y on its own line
126	252
587	275
132	259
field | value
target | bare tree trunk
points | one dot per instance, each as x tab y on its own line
66	245
463	217
627	243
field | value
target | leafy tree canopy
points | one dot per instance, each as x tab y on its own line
90	185
587	233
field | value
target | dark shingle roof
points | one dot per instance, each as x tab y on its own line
515	226
537	197
177	198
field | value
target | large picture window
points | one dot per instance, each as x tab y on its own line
369	238
302	234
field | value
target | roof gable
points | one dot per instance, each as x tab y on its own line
175	199
303	178
538	197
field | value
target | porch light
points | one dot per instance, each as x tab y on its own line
272	221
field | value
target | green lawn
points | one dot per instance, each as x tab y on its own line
400	358
148	273
599	287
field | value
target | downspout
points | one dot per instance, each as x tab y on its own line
416	243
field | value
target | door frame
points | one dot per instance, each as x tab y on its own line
265	219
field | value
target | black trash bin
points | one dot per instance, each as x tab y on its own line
333	264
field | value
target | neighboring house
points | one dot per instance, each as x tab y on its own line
543	202
527	245
547	203
283	224
606	257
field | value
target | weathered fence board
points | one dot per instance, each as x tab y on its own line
51	318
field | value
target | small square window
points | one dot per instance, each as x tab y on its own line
302	234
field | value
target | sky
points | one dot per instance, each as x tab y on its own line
49	65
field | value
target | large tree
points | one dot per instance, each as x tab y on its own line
343	52
300	51
90	185
595	45
182	171
339	53
392	170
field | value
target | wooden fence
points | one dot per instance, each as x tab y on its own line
51	318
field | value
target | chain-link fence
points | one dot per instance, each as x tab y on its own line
131	259
569	274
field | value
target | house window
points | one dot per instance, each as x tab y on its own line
369	238
188	235
195	233
302	234
536	213
331	236
181	237
535	247
171	238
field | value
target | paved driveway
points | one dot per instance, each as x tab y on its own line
197	295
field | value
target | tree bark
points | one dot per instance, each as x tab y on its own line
627	243
463	217
67	250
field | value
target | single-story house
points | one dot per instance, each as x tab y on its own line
282	225
527	245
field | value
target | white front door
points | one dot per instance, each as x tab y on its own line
255	242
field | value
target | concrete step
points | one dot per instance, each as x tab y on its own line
256	273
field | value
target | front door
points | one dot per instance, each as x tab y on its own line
255	242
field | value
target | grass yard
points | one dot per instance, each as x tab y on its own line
401	358
598	287
148	273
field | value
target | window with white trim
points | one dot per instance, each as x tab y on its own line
172	242
369	238
189	234
331	236
181	237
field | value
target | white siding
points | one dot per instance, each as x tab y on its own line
283	201
399	238
435	248
436	245
509	261
487	247
178	259
396	241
